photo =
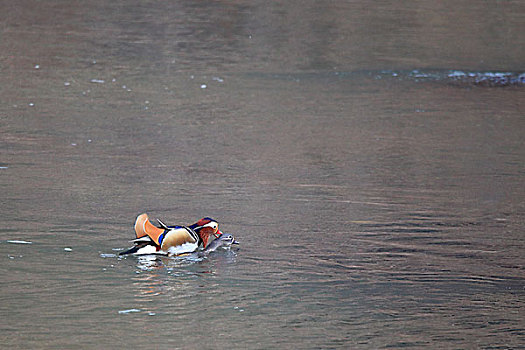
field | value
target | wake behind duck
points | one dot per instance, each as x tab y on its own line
203	236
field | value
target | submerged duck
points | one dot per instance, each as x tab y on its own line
175	240
224	240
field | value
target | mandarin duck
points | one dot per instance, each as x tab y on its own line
172	240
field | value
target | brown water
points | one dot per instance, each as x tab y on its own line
378	198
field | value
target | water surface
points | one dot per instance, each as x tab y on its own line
368	157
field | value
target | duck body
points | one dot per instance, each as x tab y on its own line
172	240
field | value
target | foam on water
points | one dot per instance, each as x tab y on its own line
14	241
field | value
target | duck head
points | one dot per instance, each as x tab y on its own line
224	240
206	228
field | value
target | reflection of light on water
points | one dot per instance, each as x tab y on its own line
176	294
177	280
15	241
128	311
199	259
148	262
180	282
148	285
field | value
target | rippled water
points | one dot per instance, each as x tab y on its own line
368	157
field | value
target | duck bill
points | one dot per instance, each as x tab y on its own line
235	242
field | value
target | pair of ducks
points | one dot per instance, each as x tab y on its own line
177	240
